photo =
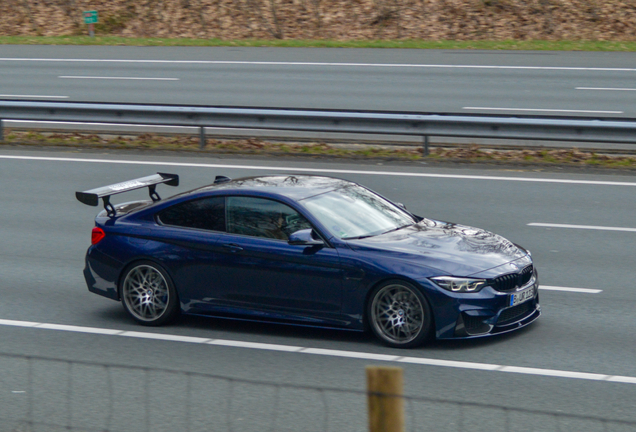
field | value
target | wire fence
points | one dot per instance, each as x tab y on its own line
44	394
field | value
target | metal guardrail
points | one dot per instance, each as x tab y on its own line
602	130
46	394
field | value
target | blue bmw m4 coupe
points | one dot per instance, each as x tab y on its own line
305	250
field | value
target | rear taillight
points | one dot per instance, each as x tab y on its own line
97	235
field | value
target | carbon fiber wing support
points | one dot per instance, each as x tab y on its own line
91	197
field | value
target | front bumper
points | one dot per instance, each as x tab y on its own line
506	320
486	313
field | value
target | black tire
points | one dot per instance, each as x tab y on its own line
148	294
399	315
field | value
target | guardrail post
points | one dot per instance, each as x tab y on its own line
385	391
202	137
425	145
1	131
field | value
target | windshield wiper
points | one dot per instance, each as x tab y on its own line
396	229
377	234
359	237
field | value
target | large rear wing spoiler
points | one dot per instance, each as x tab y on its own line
91	197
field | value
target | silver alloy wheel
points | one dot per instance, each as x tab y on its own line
397	314
145	292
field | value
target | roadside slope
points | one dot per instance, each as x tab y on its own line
329	19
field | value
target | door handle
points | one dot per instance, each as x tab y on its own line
232	247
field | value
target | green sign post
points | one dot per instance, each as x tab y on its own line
90	18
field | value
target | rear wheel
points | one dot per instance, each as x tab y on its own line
148	294
399	315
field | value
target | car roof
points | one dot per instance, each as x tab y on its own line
296	187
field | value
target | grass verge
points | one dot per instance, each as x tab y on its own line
532	45
474	154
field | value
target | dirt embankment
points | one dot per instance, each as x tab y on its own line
329	19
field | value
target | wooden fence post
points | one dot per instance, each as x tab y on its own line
385	390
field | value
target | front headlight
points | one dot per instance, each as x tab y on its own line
456	284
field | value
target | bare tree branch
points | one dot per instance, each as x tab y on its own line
278	34
27	6
317	16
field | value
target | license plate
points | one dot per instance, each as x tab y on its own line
522	296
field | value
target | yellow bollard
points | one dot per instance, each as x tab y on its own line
385	391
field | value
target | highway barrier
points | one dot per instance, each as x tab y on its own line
425	125
47	394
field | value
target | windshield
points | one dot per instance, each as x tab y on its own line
355	212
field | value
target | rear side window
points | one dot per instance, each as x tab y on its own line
205	213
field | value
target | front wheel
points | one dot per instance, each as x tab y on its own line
148	294
399	315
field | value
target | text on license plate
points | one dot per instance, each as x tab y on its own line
522	296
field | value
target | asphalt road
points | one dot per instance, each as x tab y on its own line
539	83
44	233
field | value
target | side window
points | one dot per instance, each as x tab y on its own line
259	217
205	213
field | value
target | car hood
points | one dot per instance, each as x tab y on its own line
455	250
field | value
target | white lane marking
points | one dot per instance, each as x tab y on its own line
254	345
166	337
32	96
586	227
544	110
567	289
606	88
283	63
350	354
318	170
118	78
332	353
18	391
449	363
622	379
555	373
78	329
14	323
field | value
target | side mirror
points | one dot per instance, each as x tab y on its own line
400	205
304	237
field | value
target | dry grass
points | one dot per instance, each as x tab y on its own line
334	20
472	154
